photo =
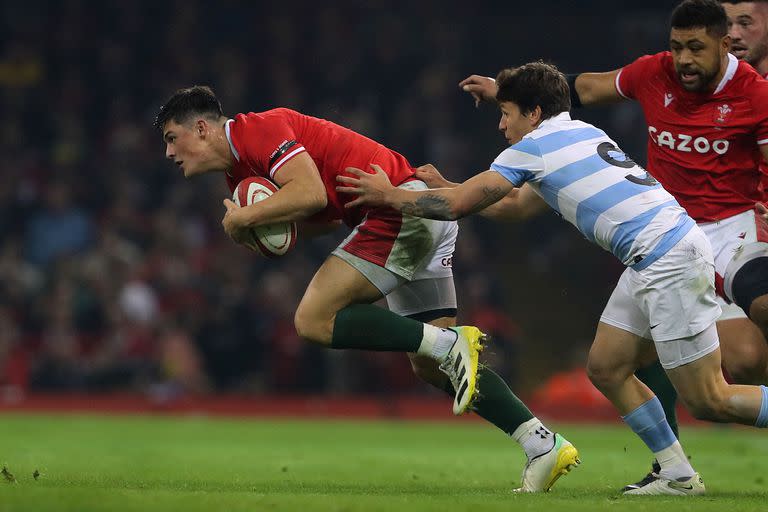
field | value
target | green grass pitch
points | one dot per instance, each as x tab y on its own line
200	464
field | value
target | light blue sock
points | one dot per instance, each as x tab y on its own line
762	418
648	422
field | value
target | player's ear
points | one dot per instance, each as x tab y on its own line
534	116
201	127
725	44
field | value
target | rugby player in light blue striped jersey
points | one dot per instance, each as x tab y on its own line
666	296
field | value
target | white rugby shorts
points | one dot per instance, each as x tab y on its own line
417	275
735	240
671	301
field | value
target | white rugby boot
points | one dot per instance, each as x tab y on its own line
541	472
691	486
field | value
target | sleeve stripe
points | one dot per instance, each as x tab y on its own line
285	158
763	141
618	87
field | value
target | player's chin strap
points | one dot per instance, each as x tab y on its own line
746	276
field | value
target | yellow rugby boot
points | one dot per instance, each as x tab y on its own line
541	472
461	366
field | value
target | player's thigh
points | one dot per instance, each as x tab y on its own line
426	368
335	285
615	354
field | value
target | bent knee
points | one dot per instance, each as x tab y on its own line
312	326
747	362
604	376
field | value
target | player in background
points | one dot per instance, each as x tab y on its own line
707	118
748	28
667	292
400	257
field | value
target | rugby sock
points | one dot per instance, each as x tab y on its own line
656	379
649	423
498	405
534	437
369	327
436	342
762	417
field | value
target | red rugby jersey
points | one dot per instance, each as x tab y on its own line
702	147
263	142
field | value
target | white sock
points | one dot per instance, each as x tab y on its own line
674	464
436	342
534	437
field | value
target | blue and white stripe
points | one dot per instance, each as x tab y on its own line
637	222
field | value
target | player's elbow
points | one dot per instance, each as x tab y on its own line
315	202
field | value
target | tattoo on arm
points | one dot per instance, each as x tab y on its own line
490	196
430	206
435	206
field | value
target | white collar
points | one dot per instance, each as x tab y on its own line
229	138
733	63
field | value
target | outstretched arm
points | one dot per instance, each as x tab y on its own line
475	194
592	88
598	88
519	204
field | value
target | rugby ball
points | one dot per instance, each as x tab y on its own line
273	240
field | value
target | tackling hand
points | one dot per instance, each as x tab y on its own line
232	222
482	88
370	188
432	177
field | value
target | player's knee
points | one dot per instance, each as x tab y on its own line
602	375
311	327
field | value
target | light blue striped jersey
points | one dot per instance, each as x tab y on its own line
583	175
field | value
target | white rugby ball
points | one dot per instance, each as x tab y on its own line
273	240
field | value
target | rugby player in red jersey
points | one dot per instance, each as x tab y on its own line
388	254
707	116
748	28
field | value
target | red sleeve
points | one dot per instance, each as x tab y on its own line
632	75
267	141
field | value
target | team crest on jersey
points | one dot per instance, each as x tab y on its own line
723	113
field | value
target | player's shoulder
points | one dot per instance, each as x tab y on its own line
749	82
653	62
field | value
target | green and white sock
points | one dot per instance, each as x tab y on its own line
436	342
534	437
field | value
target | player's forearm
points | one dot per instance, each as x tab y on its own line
289	204
438	204
446	203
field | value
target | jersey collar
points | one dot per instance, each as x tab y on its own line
229	138
733	64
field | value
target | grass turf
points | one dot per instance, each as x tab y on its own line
198	464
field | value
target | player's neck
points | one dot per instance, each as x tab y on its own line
762	67
720	74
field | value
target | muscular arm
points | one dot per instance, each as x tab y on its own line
598	88
473	195
302	193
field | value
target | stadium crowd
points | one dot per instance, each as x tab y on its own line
115	273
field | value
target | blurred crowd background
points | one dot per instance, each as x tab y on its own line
115	274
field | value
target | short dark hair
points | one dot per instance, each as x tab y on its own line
708	14
198	100
535	84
